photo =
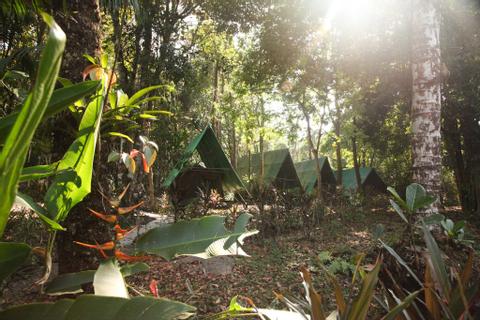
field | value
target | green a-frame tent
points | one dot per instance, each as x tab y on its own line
278	169
369	178
217	166
307	172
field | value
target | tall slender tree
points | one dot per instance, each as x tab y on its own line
426	97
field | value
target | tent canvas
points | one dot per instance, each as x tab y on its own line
279	169
369	177
212	155
307	172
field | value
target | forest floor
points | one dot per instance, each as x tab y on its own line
273	265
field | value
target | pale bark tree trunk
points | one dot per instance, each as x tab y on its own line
426	98
313	151
338	148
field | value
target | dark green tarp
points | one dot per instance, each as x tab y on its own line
212	155
307	172
279	169
370	179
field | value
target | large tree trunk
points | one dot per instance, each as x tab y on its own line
80	19
426	99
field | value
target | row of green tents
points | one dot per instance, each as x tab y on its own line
279	170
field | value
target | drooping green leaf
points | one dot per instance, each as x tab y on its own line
14	153
399	308
90	58
203	237
72	282
60	100
439	270
108	280
73	182
398	199
140	93
42	213
12	256
38	172
121	135
147	116
401	261
101	308
398	210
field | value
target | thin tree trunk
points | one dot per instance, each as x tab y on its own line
233	152
313	151
338	149
356	167
426	99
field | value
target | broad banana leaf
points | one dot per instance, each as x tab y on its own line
73	182
60	100
38	172
70	283
27	202
101	308
12	256
18	140
203	237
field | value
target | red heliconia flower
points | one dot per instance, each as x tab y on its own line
110	218
121	233
124	257
154	287
125	210
104	255
146	168
110	245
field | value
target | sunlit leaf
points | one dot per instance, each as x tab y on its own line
13	154
121	135
60	100
70	186
27	202
90	58
38	172
204	237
